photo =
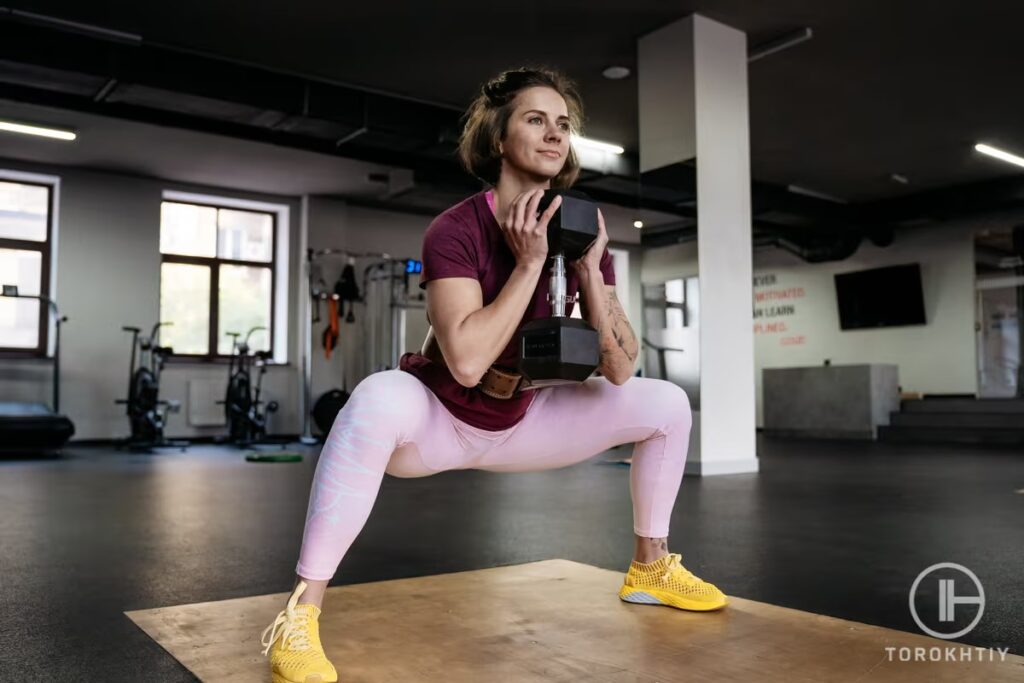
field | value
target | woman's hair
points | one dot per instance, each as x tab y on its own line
488	116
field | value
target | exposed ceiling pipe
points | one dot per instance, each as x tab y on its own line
76	27
837	248
783	42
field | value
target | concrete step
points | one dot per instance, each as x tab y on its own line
943	420
964	405
968	435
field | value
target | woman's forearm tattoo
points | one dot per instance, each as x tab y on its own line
621	332
621	329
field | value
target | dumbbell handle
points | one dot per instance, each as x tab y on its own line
557	286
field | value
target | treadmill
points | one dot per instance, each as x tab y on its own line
33	428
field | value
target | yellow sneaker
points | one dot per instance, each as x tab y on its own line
296	655
667	582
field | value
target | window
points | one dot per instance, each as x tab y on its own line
216	276
25	230
674	304
671	305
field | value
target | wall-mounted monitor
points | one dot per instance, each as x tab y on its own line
881	297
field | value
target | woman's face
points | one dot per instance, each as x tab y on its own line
537	139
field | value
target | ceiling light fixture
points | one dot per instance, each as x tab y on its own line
807	192
616	73
638	224
56	134
999	154
596	145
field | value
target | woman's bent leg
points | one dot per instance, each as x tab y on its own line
389	414
392	423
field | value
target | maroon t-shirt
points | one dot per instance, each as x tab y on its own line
466	241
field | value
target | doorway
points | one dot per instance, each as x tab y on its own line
999	285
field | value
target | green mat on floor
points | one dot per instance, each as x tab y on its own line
273	457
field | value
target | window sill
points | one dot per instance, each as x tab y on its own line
25	356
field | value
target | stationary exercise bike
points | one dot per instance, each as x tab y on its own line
147	414
245	410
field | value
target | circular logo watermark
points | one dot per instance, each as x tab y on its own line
948	600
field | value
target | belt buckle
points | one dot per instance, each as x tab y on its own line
507	383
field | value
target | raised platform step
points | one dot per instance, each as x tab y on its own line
964	405
941	420
970	435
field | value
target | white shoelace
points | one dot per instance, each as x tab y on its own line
674	565
293	626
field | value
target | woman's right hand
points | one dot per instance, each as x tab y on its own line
526	233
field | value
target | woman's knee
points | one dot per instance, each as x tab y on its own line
392	400
388	383
668	403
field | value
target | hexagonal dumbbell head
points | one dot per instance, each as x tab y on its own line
574	226
558	351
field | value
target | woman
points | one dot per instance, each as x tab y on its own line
456	405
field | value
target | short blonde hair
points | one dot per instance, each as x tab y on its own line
488	116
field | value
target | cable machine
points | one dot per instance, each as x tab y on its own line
384	300
386	285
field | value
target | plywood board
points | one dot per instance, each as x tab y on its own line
551	621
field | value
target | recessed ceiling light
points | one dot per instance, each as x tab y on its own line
56	134
999	154
638	224
616	73
596	145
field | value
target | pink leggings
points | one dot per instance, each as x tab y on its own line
393	423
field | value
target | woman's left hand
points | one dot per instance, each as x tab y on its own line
590	262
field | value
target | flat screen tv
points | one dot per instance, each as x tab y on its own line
881	297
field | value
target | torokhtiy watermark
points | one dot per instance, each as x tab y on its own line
948	602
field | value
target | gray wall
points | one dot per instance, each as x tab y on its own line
939	357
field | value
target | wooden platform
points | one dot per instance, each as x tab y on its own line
552	621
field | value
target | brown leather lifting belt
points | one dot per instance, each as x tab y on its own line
496	382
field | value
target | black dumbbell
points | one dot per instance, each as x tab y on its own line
562	350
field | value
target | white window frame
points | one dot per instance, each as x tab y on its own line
281	252
54	183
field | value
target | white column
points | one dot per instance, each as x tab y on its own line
692	79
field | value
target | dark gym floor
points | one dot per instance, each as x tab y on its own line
832	528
